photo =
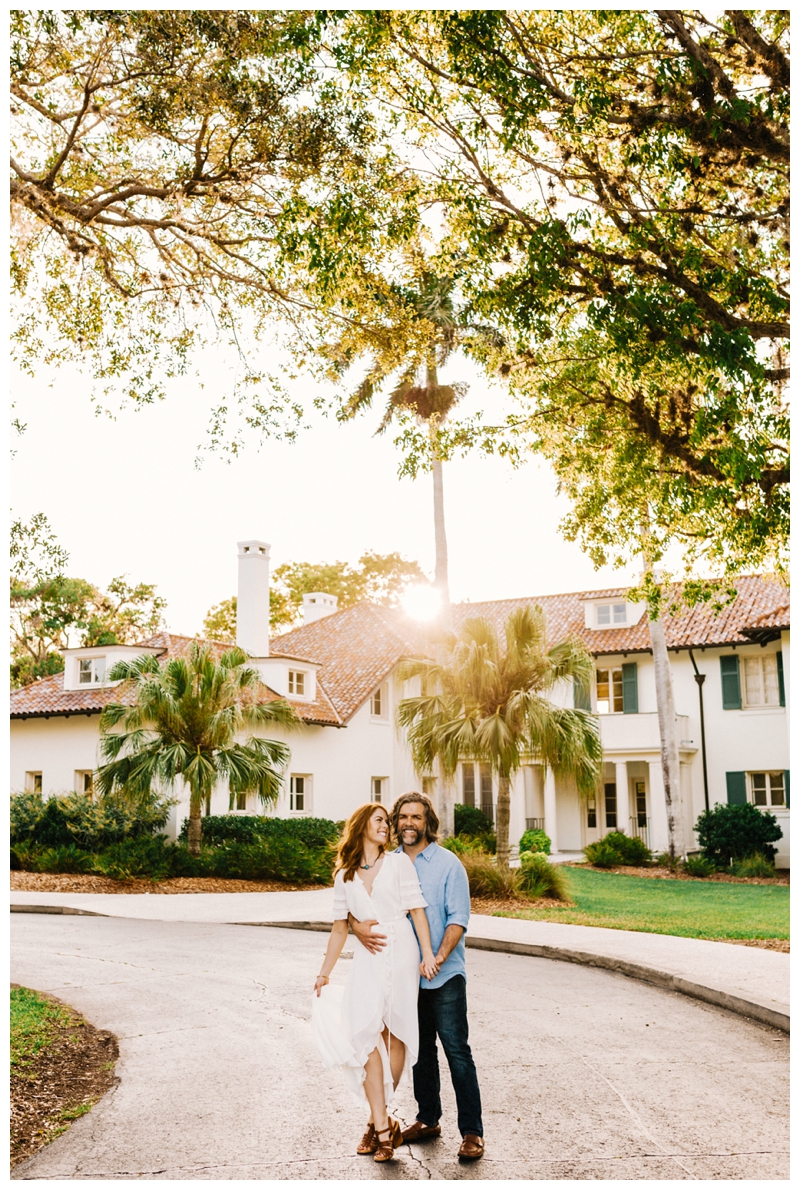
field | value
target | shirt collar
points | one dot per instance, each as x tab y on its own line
426	854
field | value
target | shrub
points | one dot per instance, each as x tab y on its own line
753	865
698	865
66	858
486	879
143	858
540	878
665	860
729	833
603	854
76	818
464	845
535	841
249	828
630	847
469	820
278	858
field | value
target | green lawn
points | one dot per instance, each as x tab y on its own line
34	1024
689	908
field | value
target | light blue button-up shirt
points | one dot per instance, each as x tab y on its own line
445	887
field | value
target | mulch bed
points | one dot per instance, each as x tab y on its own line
490	905
47	882
59	1083
656	873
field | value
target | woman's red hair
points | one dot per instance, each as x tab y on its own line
351	844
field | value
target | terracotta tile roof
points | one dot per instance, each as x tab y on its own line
359	646
690	627
356	648
47	696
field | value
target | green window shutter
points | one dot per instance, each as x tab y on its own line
737	789
731	687
781	687
630	689
786	786
581	696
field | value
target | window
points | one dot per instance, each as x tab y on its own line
241	801
641	803
767	789
609	691
611	806
379	703
33	782
83	780
380	790
429	788
761	688
468	784
487	802
91	671
300	795
609	614
591	812
297	682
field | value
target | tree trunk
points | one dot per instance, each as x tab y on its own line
668	727
441	578
503	815
447	805
195	833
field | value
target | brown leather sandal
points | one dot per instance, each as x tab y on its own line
385	1148
369	1142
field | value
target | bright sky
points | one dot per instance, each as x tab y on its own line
124	496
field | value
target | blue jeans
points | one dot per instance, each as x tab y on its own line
443	1012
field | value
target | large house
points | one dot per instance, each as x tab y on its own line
340	671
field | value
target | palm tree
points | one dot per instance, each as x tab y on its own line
184	723
433	314
488	702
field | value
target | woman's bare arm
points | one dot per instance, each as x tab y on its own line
334	949
428	965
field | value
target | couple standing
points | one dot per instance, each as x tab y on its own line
407	985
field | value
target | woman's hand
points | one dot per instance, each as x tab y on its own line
320	982
429	968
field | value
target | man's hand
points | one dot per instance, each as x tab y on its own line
363	931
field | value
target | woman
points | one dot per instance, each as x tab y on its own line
371	1032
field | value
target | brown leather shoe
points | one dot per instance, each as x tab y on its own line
419	1131
471	1147
384	1150
369	1142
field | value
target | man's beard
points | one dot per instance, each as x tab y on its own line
411	830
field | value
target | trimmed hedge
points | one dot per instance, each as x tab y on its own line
469	820
221	829
74	818
535	841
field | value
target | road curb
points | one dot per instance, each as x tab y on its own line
738	1004
664	979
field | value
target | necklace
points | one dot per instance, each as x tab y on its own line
366	867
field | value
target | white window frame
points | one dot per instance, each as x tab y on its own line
611	670
297	678
81	785
760	659
304	792
767	805
96	671
33	782
617	615
380	699
379	790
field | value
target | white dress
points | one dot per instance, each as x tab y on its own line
382	988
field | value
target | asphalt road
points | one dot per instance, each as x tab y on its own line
584	1074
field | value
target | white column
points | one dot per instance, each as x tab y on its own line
659	835
550	826
623	808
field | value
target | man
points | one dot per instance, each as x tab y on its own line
442	1004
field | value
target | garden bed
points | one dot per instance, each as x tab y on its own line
49	882
60	1067
659	873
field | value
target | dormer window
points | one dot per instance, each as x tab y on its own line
379	703
297	682
91	671
610	615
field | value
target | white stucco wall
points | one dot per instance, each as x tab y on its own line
55	747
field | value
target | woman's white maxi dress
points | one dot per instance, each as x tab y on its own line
382	988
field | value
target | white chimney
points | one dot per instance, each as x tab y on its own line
252	601
317	605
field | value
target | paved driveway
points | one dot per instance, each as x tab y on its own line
585	1074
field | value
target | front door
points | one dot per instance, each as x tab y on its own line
639	823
